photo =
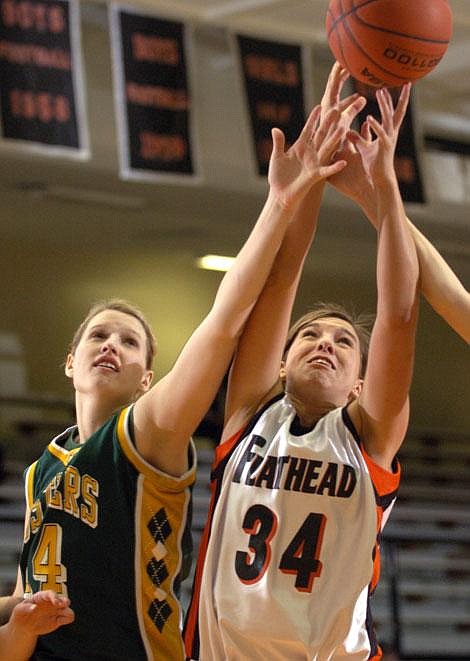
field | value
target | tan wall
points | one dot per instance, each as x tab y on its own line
45	294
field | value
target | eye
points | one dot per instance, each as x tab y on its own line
345	340
98	334
310	333
132	342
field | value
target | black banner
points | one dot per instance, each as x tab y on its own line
40	74
406	154
153	97
273	80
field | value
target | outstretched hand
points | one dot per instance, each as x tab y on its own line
312	157
308	160
377	153
370	158
348	107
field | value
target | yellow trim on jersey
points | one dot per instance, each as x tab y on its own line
29	485
167	482
158	494
62	454
167	643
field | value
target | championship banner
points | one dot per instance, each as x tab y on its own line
274	89
153	100
407	166
41	89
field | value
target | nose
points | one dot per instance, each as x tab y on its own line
109	345
325	344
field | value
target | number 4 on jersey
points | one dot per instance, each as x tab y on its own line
301	556
47	566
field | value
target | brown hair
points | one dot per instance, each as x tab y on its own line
361	324
119	305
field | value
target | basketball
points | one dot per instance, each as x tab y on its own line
386	43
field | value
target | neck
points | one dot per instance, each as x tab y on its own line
309	413
91	414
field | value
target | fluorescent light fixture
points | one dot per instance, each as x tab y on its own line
215	262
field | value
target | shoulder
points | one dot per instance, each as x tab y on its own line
125	434
243	419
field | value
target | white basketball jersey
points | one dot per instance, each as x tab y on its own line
290	554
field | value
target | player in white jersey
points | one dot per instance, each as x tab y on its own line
296	517
302	483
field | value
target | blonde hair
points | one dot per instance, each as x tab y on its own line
120	305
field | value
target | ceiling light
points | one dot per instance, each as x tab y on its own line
215	262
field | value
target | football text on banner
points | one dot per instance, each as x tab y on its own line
41	91
153	100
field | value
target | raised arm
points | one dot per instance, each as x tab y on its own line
254	375
381	412
441	287
167	415
438	283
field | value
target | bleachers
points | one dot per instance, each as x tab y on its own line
12	505
422	604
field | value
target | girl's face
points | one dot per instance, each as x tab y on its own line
110	359
324	358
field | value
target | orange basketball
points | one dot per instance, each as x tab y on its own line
388	42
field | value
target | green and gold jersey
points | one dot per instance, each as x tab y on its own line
108	530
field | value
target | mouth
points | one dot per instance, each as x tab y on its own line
106	365
322	361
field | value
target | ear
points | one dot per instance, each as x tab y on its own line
356	391
69	366
146	381
282	371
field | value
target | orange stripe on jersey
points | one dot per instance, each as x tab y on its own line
377	656
227	446
191	623
376	561
384	481
190	633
